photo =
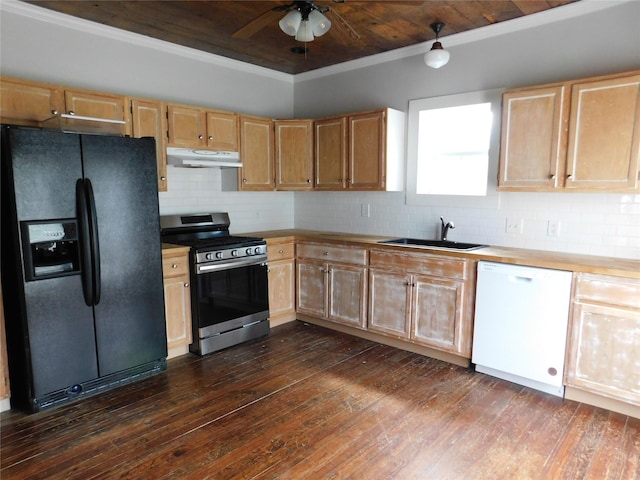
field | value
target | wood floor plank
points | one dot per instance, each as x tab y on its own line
307	402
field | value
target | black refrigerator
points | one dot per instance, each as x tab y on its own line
81	264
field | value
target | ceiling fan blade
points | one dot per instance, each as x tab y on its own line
257	24
343	29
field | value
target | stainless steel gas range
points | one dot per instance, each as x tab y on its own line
229	294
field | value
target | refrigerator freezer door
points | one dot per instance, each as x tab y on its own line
130	326
56	325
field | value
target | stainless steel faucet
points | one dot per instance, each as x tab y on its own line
445	228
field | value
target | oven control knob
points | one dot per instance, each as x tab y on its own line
209	256
257	251
234	253
218	255
249	251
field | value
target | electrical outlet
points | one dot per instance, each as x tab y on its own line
513	225
365	210
553	228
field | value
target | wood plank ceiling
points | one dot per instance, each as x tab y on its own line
248	31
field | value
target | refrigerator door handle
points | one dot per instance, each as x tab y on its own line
94	242
82	212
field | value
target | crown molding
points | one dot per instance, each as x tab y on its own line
86	26
556	14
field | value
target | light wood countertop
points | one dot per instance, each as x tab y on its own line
618	267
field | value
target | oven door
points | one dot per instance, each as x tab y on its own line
229	295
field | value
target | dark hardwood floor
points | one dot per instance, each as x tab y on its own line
310	403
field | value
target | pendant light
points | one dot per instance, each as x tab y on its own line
436	57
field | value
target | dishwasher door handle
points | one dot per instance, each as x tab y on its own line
516	278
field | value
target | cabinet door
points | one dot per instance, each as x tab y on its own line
97	105
177	296
533	141
187	126
604	352
330	153
294	154
437	308
282	283
148	119
222	131
367	144
311	297
389	303
348	295
27	103
256	153
604	135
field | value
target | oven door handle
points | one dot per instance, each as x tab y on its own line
217	266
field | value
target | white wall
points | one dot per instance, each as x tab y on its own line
37	44
607	40
40	45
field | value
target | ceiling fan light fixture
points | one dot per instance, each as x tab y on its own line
290	23
437	57
319	23
305	32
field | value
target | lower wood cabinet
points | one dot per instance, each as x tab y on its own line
604	338
332	283
177	299
282	282
426	299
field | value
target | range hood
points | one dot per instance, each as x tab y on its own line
71	123
202	158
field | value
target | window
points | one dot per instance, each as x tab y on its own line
453	145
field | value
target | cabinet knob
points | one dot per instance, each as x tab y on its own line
308	180
244	180
280	251
54	112
325	253
200	137
163	178
210	137
186	285
175	265
569	176
71	112
552	176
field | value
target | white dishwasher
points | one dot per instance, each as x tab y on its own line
520	329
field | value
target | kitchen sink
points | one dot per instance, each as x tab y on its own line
433	243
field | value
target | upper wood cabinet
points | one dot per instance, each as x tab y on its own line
294	154
366	152
149	119
330	165
256	153
28	103
574	136
200	128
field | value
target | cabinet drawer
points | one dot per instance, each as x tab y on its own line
623	292
174	266
425	264
280	251
333	253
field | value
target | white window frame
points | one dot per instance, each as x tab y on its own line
491	200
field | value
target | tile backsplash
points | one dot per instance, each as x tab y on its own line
594	224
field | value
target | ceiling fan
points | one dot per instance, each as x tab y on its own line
306	10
